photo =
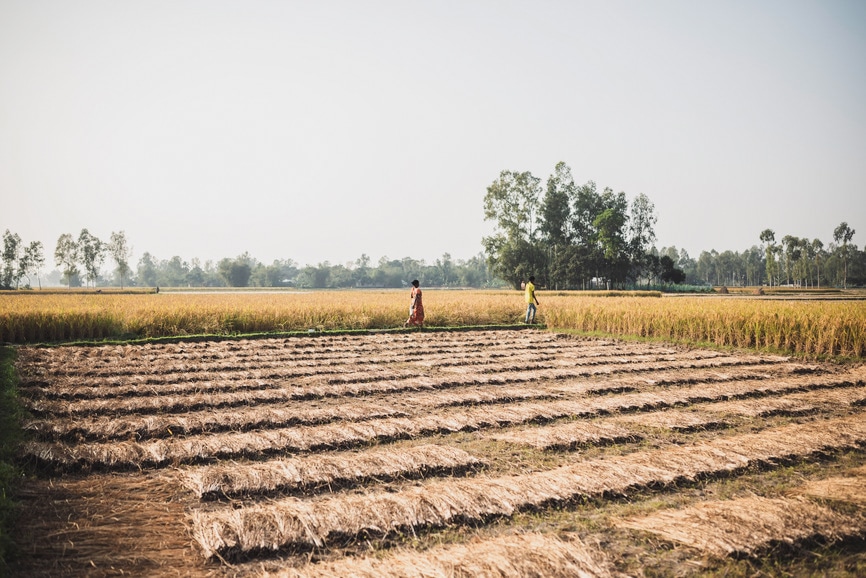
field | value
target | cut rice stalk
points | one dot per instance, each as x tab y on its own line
515	556
747	525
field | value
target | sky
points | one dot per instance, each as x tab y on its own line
322	130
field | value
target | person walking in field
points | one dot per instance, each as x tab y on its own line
531	300
416	307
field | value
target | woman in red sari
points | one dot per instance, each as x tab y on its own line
416	307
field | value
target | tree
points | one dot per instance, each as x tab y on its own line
32	260
768	239
789	250
556	226
174	272
843	234
11	253
147	270
641	232
610	227
445	268
556	206
66	257
512	203
817	249
669	271
120	252
92	254
236	272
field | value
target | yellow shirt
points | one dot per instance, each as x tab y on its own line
530	292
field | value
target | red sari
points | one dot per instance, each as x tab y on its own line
416	309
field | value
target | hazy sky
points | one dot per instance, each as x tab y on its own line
321	130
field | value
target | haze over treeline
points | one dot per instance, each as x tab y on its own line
568	236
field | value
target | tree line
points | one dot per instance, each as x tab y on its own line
569	237
786	260
80	261
576	237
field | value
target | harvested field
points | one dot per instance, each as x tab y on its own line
474	453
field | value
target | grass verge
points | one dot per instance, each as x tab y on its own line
10	437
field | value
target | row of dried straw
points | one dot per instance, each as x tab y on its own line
532	555
570	435
802	402
339	469
210	356
176	450
106	427
677	420
712	415
361	382
848	488
290	523
160	452
323	346
153	366
747	525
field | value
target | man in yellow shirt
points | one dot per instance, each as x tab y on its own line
531	300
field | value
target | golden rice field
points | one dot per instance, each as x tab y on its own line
812	327
507	453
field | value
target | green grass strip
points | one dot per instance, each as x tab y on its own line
10	437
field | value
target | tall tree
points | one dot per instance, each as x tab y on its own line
120	252
92	254
843	234
610	227
66	257
641	231
445	268
789	250
512	203
32	260
237	271
556	222
768	239
817	249
556	206
147	270
11	253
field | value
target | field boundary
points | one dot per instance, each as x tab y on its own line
11	435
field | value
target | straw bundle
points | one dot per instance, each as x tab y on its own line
514	556
292	523
569	435
100	525
703	375
847	489
336	470
747	525
243	419
765	407
677	420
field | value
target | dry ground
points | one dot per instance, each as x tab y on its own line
476	453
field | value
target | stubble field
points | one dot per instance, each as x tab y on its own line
439	453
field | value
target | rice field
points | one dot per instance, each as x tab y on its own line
817	325
487	452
